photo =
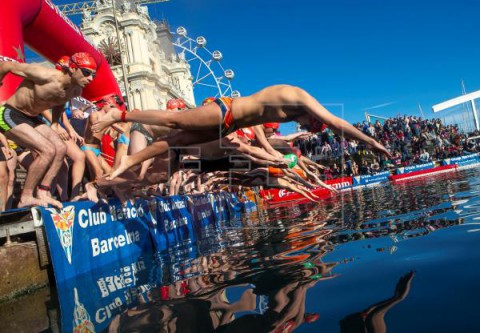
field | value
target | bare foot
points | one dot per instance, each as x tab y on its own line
31	201
46	197
122	167
91	191
112	116
80	197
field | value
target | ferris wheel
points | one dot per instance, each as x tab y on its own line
209	78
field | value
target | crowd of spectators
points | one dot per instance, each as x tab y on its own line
410	139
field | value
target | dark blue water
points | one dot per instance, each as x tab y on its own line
428	227
396	258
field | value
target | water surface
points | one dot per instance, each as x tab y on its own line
396	258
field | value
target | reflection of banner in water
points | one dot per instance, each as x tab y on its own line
113	253
205	226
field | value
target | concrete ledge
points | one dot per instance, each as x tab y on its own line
29	313
21	271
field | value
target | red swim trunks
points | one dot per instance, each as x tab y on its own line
228	123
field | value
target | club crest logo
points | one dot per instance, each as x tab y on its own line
64	222
81	318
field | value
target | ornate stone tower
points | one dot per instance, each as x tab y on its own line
141	52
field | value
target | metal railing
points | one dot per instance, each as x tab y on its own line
80	7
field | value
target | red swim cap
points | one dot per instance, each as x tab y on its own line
246	132
83	60
63	63
111	99
208	100
316	125
176	104
272	125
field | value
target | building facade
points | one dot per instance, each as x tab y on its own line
140	51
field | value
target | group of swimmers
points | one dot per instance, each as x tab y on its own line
224	141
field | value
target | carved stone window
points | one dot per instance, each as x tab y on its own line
110	49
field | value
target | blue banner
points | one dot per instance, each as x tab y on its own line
462	160
365	180
107	256
97	253
416	167
220	210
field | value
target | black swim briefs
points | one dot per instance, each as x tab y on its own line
11	117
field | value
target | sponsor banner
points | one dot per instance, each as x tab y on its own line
203	212
97	251
234	206
106	256
371	179
422	173
275	193
340	183
417	167
248	205
183	248
462	160
205	223
97	297
164	235
184	221
5	58
467	163
219	206
281	195
84	230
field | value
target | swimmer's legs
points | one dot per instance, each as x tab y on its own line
26	136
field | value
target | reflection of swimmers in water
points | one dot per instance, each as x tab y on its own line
286	289
183	316
371	320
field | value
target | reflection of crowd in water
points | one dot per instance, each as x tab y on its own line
411	140
409	219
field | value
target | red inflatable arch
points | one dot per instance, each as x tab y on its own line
46	30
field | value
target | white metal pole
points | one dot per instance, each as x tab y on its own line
474	109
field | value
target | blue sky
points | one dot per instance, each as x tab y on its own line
359	54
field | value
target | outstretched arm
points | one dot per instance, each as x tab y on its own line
258	153
263	142
338	125
313	176
294	136
308	161
36	73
